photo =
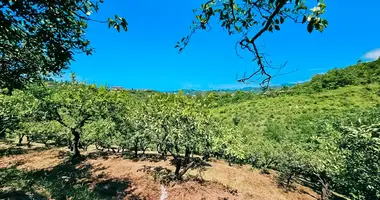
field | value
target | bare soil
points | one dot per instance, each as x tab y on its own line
217	181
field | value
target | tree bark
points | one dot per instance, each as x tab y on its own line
178	165
20	139
2	134
76	152
325	195
187	156
289	179
136	148
325	191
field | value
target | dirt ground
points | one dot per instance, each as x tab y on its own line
109	172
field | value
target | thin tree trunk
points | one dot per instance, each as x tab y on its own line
187	167
325	187
136	148
187	156
136	152
2	134
178	164
20	139
28	141
325	191
289	179
76	152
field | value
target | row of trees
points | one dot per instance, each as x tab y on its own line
79	115
334	154
337	156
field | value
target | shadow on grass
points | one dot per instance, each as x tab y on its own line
18	151
71	179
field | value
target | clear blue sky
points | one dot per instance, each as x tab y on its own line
145	58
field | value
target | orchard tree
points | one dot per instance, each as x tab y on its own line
251	19
40	37
189	131
74	105
361	176
15	109
142	127
44	132
120	109
101	133
162	123
7	115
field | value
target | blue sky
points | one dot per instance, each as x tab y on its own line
145	58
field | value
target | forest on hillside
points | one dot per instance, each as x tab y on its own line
323	134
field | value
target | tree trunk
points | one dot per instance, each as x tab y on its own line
20	139
70	145
178	164
289	179
136	148
2	134
28	139
325	187
187	156
325	191
76	152
136	153
187	167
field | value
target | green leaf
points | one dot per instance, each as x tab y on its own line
304	19
277	27
310	27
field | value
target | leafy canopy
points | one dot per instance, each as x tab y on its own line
40	37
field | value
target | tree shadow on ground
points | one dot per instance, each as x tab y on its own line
72	179
150	157
20	195
113	188
166	176
95	155
18	151
198	163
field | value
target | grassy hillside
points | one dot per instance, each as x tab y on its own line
332	94
359	74
250	115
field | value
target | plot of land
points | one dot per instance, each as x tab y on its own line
49	174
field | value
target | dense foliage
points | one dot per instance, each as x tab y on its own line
326	139
40	37
359	74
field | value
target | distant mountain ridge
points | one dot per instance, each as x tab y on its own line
244	89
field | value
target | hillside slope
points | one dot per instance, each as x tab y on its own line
254	113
